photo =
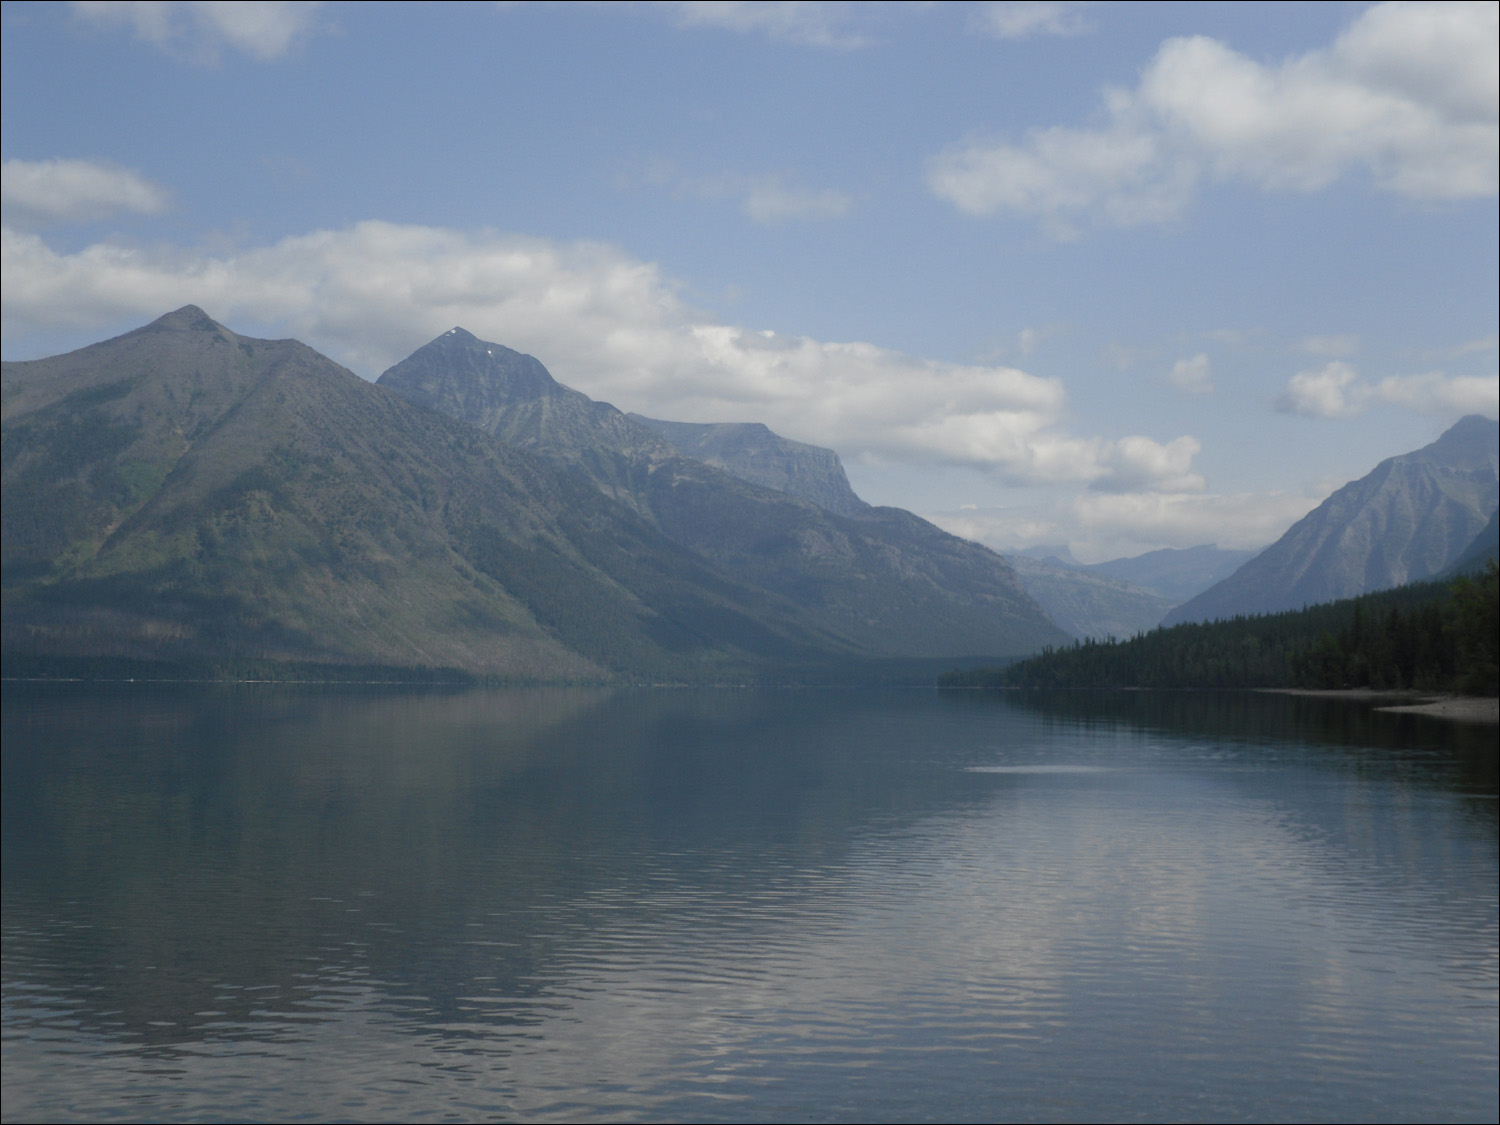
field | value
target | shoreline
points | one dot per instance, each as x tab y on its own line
1435	705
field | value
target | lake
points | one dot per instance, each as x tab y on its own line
296	902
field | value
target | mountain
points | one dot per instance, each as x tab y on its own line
1175	573
1088	604
754	453
187	498
185	494
1483	549
881	580
1406	521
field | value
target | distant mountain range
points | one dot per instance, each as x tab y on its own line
1122	597
1085	603
1412	518
183	494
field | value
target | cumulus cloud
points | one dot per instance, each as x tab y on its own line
1134	463
1022	19
1408	93
806	24
1193	375
1337	391
262	29
45	192
1320	394
607	324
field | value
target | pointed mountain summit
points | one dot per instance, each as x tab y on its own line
185	495
881	580
511	396
1406	521
459	371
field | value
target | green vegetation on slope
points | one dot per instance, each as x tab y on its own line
1432	636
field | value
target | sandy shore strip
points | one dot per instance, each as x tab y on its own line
1455	708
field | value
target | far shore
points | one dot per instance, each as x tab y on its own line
1453	708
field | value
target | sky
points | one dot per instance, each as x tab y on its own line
1110	276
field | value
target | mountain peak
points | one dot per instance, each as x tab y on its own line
1473	438
462	375
189	318
1407	520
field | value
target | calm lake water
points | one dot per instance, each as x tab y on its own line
257	902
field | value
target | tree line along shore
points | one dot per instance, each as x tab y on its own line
1430	636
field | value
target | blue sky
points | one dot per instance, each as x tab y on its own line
1118	276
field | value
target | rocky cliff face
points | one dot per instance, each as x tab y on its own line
754	453
1406	521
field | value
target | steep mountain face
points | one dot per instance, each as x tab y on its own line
1482	550
1404	522
1088	604
880	579
511	396
1176	574
184	493
754	453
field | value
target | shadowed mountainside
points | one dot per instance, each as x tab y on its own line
186	494
881	579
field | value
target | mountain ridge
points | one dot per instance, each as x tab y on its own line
1404	521
883	579
185	494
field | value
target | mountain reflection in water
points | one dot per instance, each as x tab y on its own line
738	905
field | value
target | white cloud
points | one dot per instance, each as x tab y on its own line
1436	393
1136	463
200	31
1103	525
1320	394
769	200
806	24
607	324
1021	19
1193	375
43	192
1408	93
1336	391
1244	521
